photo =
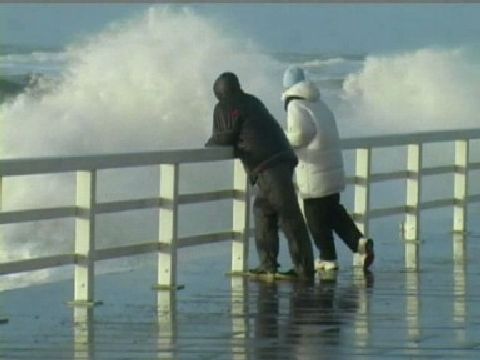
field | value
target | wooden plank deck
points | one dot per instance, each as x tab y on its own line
434	313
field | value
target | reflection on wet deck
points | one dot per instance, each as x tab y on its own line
388	314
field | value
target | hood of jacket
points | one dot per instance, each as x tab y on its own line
227	87
304	89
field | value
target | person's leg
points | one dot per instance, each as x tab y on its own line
343	224
277	187
317	216
266	235
346	229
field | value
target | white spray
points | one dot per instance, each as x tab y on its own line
420	90
146	85
141	85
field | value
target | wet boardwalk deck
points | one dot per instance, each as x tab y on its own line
391	314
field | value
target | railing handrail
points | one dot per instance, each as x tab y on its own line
57	164
388	140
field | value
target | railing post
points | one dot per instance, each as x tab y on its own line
85	238
240	318
461	186
412	310
83	333
2	319
168	227
362	194
460	195
460	288
241	219
361	319
167	323
412	216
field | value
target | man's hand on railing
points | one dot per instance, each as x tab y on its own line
211	143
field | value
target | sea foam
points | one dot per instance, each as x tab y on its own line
419	90
146	84
139	85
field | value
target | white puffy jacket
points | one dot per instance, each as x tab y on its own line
313	134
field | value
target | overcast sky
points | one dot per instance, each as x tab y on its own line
277	27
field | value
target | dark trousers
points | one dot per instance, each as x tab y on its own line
277	204
325	215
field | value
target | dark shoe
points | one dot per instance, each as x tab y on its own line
290	274
369	279
369	255
304	274
261	271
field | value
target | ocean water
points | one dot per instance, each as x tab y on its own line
146	84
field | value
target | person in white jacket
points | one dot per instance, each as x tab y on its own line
313	133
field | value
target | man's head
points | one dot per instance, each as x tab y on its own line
293	75
226	86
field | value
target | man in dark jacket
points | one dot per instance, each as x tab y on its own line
242	120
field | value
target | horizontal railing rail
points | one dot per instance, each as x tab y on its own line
421	137
169	199
48	165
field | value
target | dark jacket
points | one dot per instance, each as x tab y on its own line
243	121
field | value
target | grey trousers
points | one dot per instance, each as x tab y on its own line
277	204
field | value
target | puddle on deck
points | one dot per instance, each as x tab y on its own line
390	314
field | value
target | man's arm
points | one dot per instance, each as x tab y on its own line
224	132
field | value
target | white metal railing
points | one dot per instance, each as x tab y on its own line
86	207
169	199
413	174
